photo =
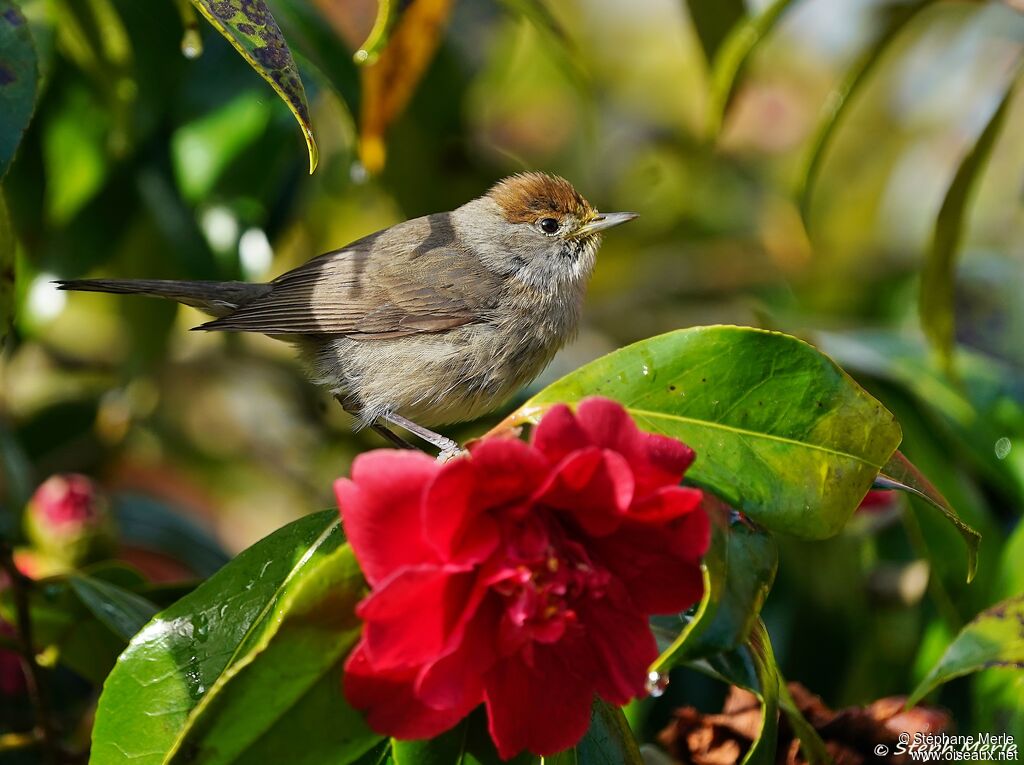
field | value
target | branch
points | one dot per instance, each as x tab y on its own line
37	690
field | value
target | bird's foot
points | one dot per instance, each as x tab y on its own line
449	449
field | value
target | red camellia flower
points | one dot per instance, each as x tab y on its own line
520	576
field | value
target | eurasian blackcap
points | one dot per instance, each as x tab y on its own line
432	321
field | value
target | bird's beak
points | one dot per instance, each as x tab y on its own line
603	221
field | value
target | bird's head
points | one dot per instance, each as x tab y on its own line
549	232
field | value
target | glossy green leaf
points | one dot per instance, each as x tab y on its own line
938	277
994	638
840	98
122	611
713	20
739	569
900	474
19	80
780	431
251	28
311	631
733	55
168	668
753	668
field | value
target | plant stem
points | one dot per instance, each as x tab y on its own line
37	690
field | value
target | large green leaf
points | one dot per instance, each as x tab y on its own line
19	76
169	667
780	431
838	100
739	569
251	28
994	638
733	54
900	474
938	276
256	705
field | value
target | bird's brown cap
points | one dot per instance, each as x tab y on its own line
525	197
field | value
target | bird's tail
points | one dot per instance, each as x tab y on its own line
215	298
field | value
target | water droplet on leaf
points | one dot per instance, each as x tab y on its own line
1003	447
656	683
191	44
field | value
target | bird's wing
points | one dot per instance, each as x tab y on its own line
397	290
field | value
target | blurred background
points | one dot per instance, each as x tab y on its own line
143	161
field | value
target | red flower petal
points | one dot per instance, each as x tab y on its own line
665	504
456	526
416	615
659	565
457	680
389	703
559	434
624	644
594	485
609	425
665	462
543	708
511	469
499	472
380	510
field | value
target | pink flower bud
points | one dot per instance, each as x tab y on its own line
69	519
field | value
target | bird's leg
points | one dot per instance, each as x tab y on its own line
390	435
379	429
448	447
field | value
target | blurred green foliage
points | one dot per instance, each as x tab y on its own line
142	162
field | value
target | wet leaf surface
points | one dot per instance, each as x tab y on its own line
781	433
170	665
299	656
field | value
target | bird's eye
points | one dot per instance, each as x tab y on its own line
549	225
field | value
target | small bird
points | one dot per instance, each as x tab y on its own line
436	320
